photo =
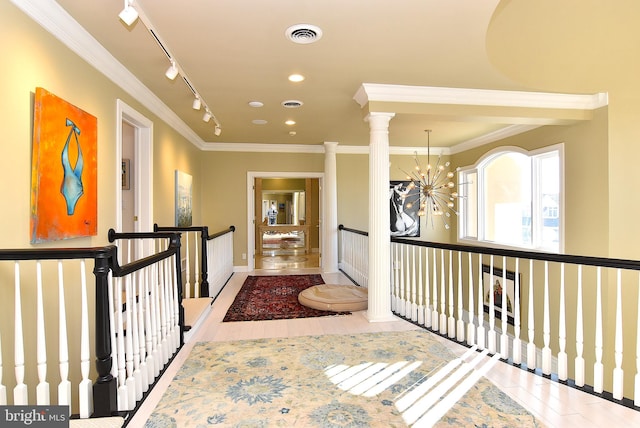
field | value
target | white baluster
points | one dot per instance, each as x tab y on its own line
86	386
196	264
164	352
460	322
531	347
451	326
443	296
144	379
20	392
491	335
135	334
471	328
546	328
579	361
395	290
434	282
517	343
618	373
123	399
636	389
64	387
481	329
420	308
149	326
112	324
176	309
414	304
156	321
598	368
427	290
504	339
562	332
187	267
42	389
128	345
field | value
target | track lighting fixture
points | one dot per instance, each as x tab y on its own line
172	71
197	103
128	15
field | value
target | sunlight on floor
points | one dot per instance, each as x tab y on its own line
429	399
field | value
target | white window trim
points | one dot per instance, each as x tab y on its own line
478	169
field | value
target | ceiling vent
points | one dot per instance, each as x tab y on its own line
304	34
292	104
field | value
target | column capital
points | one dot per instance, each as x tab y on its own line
330	146
375	116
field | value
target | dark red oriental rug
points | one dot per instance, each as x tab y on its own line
274	297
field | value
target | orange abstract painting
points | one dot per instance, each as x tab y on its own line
64	169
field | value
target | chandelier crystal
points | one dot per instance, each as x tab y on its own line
432	188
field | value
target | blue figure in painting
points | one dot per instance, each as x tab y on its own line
71	187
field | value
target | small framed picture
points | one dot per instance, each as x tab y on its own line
126	174
499	284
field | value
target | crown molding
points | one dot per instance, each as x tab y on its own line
54	19
477	97
500	134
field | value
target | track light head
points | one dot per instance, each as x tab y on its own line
207	115
197	103
172	71
128	15
217	131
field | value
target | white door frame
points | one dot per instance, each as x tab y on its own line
251	197
142	169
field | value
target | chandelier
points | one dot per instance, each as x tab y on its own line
432	188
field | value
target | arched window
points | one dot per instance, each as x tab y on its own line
514	198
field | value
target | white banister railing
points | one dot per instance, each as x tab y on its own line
543	312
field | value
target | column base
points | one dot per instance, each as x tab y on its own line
380	318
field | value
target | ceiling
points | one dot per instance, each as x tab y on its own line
235	51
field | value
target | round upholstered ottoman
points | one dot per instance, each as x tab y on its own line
335	298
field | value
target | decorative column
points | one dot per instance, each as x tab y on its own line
330	226
379	232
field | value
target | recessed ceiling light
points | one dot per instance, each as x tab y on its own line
290	122
255	104
259	122
292	133
296	78
303	33
292	104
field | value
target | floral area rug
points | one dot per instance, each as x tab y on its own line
391	379
274	297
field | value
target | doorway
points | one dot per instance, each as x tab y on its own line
134	190
291	238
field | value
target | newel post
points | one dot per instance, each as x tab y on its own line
104	390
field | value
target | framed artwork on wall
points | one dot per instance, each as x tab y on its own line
404	219
64	170
126	174
184	216
498	285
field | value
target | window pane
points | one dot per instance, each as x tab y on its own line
548	174
507	200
